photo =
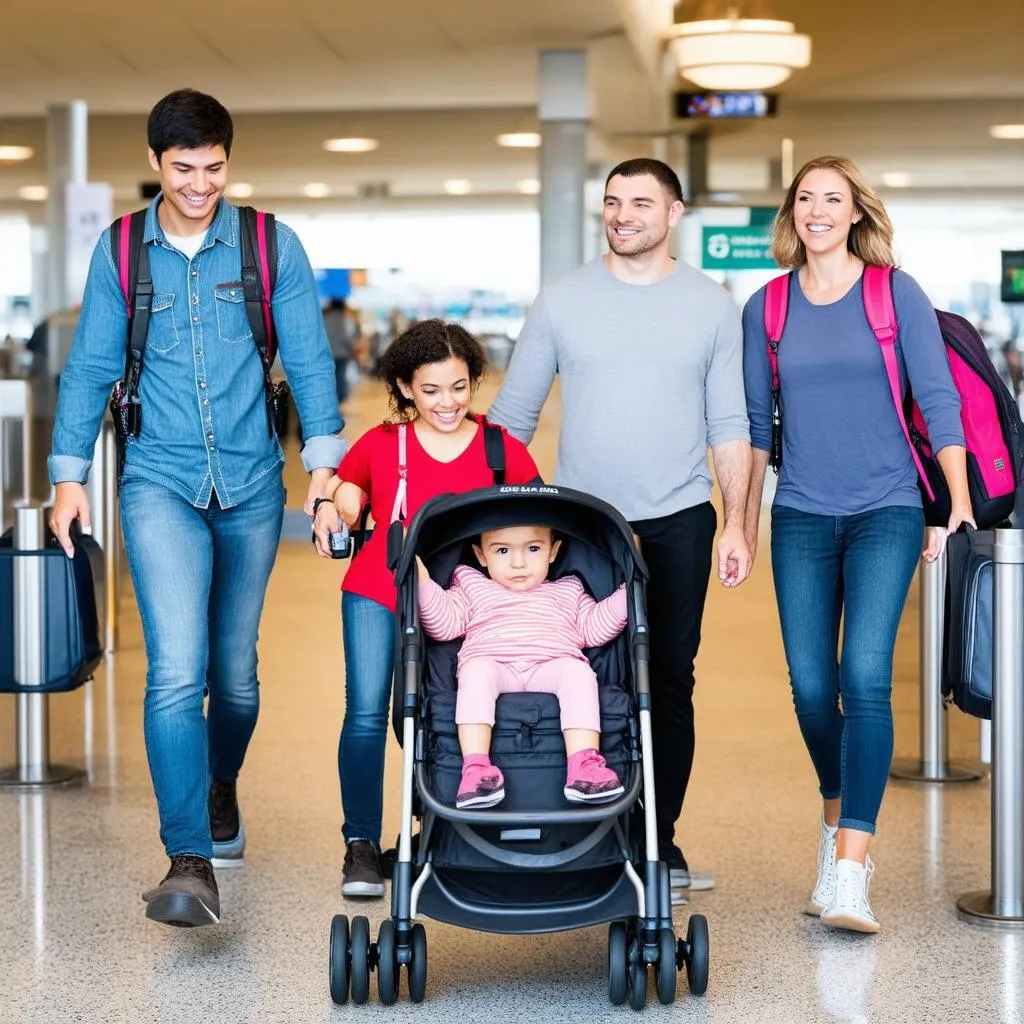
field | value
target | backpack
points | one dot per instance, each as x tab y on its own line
991	419
258	276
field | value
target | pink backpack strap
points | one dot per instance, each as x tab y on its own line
263	258
124	246
881	313
776	306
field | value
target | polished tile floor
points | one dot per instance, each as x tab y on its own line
74	945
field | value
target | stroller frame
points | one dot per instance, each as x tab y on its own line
638	903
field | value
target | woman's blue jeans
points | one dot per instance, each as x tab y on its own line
856	569
368	631
200	576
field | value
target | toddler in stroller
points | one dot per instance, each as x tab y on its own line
536	863
523	634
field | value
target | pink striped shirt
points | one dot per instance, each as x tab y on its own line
555	620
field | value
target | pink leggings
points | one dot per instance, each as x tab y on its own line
572	681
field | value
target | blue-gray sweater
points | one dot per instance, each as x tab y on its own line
843	449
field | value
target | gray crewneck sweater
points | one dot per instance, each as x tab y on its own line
651	376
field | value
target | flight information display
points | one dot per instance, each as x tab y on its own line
725	104
1012	282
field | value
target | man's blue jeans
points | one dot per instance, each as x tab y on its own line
200	576
368	630
855	568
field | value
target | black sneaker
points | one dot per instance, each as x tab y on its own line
226	826
679	873
188	895
361	873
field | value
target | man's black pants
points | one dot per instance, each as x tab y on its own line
677	550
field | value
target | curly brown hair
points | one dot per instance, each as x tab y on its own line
429	341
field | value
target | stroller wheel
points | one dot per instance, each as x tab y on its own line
339	959
697	954
617	963
636	974
665	968
418	964
387	963
359	959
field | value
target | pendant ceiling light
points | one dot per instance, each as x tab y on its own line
736	53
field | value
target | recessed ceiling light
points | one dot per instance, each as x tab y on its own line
528	186
1007	131
351	145
239	190
316	190
34	193
519	140
896	179
458	186
16	152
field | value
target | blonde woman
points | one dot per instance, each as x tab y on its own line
847	523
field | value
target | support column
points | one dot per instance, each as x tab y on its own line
564	112
67	159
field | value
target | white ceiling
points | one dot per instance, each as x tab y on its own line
898	85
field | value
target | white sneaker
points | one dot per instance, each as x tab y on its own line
826	887
850	908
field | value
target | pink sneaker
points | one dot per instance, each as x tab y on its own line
590	780
482	783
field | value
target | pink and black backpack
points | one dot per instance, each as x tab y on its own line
991	419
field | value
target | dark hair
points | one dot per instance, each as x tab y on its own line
661	172
191	120
429	341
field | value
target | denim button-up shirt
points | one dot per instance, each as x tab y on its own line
204	423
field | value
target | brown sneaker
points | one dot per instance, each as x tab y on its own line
361	873
226	826
187	897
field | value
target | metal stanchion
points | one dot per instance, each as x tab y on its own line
15	406
33	709
1003	905
102	492
932	765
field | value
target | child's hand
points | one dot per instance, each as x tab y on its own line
421	570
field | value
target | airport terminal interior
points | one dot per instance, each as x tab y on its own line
418	210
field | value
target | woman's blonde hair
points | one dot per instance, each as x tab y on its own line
870	238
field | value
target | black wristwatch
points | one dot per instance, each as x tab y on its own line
317	502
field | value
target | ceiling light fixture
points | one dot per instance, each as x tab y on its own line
316	190
738	53
239	190
34	193
519	140
529	186
14	153
896	179
1007	131
351	145
458	186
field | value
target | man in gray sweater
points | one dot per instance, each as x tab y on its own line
650	356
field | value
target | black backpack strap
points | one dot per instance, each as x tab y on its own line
494	446
258	232
131	263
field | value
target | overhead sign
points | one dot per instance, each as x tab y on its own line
714	105
737	248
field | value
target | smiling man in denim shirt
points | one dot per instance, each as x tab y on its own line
202	496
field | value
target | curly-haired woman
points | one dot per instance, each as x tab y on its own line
431	372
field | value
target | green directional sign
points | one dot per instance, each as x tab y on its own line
736	248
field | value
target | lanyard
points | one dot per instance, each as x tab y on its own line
401	510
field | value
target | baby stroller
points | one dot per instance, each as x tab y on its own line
535	863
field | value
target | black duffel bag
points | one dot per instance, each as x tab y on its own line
72	623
